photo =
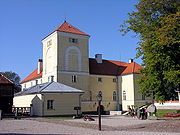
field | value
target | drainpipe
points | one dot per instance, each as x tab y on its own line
117	83
42	104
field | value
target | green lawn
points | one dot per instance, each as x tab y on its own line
161	112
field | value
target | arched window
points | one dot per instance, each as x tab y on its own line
49	61
73	59
100	93
90	94
114	96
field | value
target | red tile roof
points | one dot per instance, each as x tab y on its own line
32	76
132	68
107	67
4	80
66	27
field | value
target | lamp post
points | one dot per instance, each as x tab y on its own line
99	98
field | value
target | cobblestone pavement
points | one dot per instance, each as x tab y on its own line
110	126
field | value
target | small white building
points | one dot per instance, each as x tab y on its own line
50	98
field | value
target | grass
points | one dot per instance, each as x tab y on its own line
161	112
57	117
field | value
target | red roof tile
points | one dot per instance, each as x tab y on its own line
132	68
109	67
4	80
66	27
32	76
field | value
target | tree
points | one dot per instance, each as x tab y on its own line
14	77
156	22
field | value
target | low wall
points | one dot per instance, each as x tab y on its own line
167	105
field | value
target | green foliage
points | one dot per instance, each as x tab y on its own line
156	22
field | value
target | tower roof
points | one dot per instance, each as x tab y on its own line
66	27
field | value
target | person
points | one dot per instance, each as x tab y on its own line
138	113
130	111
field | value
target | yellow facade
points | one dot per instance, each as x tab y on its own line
63	104
65	60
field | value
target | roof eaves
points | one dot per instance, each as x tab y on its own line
30	80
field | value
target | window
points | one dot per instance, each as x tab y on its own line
114	80
74	78
36	82
114	96
143	96
124	95
99	79
49	43
50	104
73	40
90	94
24	85
100	93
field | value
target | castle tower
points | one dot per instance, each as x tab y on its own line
66	57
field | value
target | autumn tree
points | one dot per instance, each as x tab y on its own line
156	22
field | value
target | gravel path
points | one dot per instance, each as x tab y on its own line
111	126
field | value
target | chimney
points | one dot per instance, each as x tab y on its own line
40	66
52	78
130	60
98	58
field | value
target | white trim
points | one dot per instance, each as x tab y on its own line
69	72
67	57
72	35
48	36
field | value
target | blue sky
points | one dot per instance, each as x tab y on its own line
24	23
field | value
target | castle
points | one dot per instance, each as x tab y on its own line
66	61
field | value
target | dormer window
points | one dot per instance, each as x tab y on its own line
73	40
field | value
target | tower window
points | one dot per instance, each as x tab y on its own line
99	79
74	78
49	43
73	40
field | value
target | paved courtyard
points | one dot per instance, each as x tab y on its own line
116	125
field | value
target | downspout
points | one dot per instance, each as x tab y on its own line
117	85
42	104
